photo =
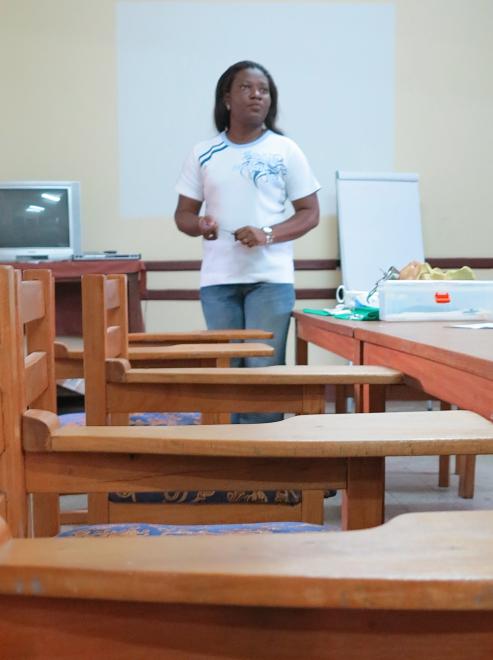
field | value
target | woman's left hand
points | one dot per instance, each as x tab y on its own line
250	236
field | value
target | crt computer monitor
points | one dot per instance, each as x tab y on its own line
39	220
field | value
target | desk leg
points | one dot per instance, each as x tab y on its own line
215	418
135	316
444	471
466	477
363	499
301	349
444	461
373	398
45	514
340	399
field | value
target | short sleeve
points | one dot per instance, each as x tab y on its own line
190	180
300	180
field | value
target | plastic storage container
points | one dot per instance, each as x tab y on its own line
436	300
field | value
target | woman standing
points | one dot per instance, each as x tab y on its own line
246	176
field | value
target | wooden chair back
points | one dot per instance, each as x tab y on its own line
104	325
27	377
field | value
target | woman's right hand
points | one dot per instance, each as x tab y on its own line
208	227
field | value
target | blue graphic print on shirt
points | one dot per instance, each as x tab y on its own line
258	166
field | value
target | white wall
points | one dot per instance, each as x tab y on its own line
336	97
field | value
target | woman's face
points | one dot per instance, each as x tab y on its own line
249	97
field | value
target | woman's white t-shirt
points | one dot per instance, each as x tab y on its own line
246	184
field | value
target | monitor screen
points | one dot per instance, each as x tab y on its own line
34	218
39	219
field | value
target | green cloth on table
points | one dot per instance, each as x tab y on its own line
360	313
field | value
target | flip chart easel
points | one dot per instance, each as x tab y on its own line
379	225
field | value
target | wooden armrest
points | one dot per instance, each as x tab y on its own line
197	351
198	336
409	564
345	435
119	371
178	351
68	362
63	352
37	429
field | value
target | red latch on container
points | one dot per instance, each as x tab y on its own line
442	297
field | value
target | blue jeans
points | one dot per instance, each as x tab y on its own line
263	306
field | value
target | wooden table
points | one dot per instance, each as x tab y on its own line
68	301
451	364
337	337
329	333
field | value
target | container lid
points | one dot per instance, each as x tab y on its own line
388	284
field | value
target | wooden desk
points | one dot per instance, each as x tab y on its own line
68	300
329	333
336	337
451	364
401	590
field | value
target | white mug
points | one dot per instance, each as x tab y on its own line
349	297
340	293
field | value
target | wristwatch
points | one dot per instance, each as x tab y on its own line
269	236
